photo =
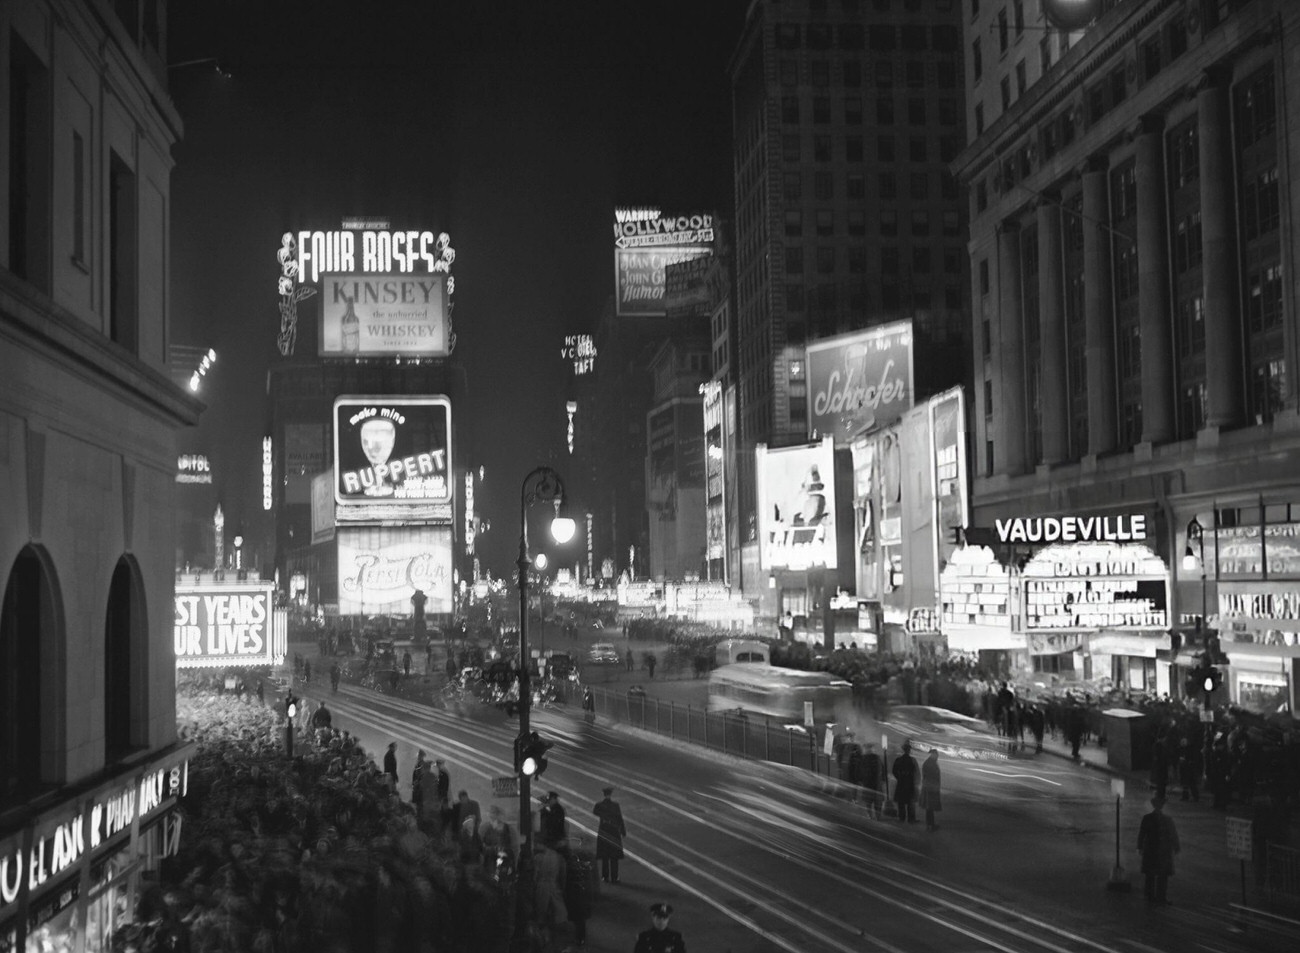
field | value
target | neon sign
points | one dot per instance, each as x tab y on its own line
266	473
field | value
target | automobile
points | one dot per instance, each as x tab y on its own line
952	733
603	653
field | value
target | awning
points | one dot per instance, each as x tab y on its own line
1138	644
977	638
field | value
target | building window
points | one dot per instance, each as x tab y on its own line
123	318
1191	327
825	223
921	260
948	186
821	110
857	260
888	186
793	223
823	186
790	109
852	74
919	186
794	260
988	399
1045	53
984	276
787	36
1003	32
789	73
948	112
881	38
1151	58
888	219
1259	204
916	149
821	148
793	186
981	196
1018	15
976	60
26	620
949	146
1187	242
855	186
885	148
852	36
1184	155
790	147
889	261
986	339
122	638
794	296
1267	389
821	74
951	224
1021	80
853	148
825	260
952	262
819	36
979	119
884	75
920	223
1264	298
853	110
885	110
857	222
916	112
1005	87
946	74
78	199
915	73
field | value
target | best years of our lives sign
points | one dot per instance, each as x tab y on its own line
219	625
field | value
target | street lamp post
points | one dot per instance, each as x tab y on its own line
542	485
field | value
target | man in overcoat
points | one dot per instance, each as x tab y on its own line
609	836
907	781
1157	843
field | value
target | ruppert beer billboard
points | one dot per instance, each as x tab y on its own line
859	382
646	242
392	450
219	625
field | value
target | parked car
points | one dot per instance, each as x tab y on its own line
954	734
603	653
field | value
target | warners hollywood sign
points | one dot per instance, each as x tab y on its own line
1073	529
640	227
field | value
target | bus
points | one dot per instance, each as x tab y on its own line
739	650
779	692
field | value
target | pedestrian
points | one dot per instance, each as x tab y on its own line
931	796
1160	765
1037	725
392	680
417	783
261	693
1074	728
321	717
609	836
660	939
589	704
650	663
306	671
577	896
873	777
552	825
548	891
498	843
907	776
1190	767
443	791
406	664
1157	843
390	765
629	660
465	819
1012	716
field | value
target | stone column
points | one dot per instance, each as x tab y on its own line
1099	315
1224	376
1012	423
1051	335
1153	287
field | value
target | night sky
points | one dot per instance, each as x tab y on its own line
515	127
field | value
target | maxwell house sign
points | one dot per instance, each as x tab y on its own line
859	382
220	625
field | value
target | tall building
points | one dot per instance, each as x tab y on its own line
1135	320
845	117
90	765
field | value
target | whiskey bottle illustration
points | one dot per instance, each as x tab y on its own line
351	326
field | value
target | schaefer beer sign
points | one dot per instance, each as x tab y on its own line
392	450
859	382
218	625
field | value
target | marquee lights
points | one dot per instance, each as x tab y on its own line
266	473
571	408
469	512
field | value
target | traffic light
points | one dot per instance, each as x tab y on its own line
1203	681
530	755
1211	679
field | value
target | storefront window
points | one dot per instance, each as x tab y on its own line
1263	694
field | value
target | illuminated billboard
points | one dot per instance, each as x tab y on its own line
383	316
193	468
646	242
218	625
581	350
859	382
392	449
796	506
380	567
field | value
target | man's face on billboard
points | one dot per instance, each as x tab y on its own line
377	438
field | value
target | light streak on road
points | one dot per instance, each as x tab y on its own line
1016	777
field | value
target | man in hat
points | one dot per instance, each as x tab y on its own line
872	779
660	939
417	783
907	778
551	820
609	836
390	765
443	791
1157	843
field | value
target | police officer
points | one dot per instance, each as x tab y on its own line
660	939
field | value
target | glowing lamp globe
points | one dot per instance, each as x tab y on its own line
563	528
